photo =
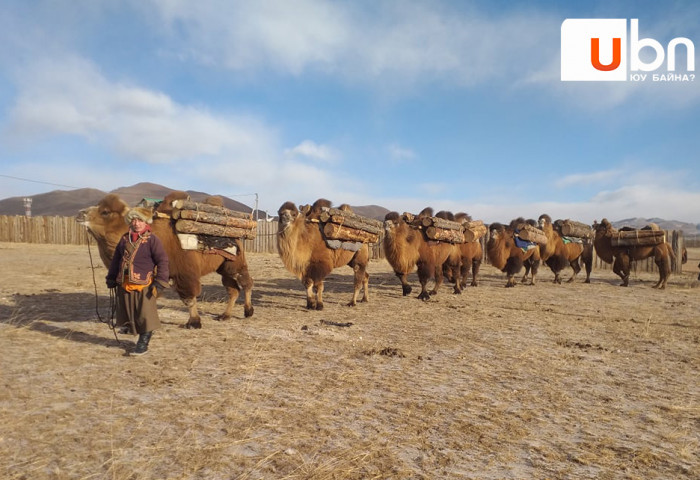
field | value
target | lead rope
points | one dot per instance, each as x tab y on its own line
112	297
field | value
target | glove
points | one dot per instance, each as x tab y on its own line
111	283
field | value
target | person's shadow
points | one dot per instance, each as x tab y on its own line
40	312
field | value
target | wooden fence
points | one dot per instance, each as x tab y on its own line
66	231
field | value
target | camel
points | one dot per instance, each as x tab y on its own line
304	252
557	254
471	254
105	222
621	257
506	256
406	248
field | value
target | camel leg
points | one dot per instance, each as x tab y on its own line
621	267
310	296
464	272
476	265
405	287
577	268
457	274
423	277
664	272
365	285
438	281
194	321
233	293
319	295
359	282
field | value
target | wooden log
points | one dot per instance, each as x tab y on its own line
474	230
205	207
444	235
217	219
572	228
638	238
190	226
339	232
327	212
532	234
352	222
440	223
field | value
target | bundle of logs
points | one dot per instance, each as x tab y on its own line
349	227
442	230
572	228
204	219
531	234
638	238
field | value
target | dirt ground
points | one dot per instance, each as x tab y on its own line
573	381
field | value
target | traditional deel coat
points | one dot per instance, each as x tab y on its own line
139	260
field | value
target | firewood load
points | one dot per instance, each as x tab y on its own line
572	228
474	230
638	238
349	227
531	234
212	220
439	229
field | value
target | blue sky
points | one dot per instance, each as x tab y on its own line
456	105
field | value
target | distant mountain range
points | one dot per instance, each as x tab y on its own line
64	203
67	203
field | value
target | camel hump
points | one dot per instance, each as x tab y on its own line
214	200
345	207
166	206
463	217
113	203
445	215
426	212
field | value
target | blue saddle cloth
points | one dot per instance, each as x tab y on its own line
524	244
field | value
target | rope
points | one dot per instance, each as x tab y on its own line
112	297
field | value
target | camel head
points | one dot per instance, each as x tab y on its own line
604	228
287	214
391	221
105	217
543	220
496	230
105	222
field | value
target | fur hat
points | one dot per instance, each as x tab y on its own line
145	214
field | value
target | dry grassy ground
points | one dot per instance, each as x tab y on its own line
569	381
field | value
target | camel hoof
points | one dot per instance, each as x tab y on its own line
406	290
196	325
588	280
223	317
319	306
248	312
425	296
352	304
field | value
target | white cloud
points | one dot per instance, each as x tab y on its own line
314	151
399	154
585	179
397	41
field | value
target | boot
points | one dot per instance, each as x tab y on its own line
142	343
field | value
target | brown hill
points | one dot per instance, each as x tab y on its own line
67	203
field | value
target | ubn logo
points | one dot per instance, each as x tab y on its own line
597	50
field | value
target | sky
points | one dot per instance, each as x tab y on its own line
457	105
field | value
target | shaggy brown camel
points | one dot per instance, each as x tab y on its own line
557	254
406	248
621	257
106	224
506	256
471	255
305	253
